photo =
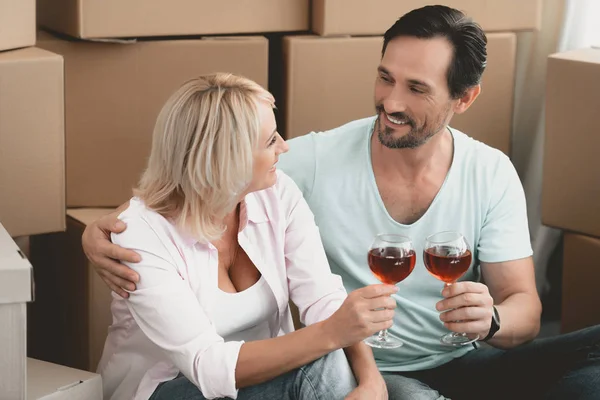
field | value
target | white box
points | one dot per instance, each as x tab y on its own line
15	291
46	381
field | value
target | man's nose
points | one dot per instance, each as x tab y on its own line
395	102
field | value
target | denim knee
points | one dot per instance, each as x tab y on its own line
329	377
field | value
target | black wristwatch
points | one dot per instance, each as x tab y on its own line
495	326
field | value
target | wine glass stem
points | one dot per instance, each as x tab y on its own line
383	335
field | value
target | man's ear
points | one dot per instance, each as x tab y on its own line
467	99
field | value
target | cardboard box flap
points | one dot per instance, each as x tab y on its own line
17	24
155	18
16	279
50	381
587	55
360	17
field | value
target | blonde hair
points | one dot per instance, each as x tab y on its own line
202	152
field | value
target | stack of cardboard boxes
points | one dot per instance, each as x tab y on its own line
329	79
32	199
571	185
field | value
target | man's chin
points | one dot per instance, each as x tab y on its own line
404	142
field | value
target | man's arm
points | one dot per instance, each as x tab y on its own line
512	286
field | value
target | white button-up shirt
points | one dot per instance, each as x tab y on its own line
165	327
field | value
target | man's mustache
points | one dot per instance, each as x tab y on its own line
397	115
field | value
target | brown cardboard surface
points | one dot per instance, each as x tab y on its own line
322	92
113	94
374	17
71	297
32	157
16	283
46	381
580	277
571	182
17	24
137	18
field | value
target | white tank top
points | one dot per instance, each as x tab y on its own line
244	315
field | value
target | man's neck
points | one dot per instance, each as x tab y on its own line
412	163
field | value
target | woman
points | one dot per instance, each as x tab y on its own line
225	242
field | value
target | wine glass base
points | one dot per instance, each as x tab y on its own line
457	339
388	343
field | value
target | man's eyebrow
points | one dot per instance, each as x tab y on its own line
383	70
419	83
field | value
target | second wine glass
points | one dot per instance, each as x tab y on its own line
391	259
447	256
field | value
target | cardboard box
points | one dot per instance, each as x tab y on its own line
46	381
580	277
571	182
17	24
359	17
71	298
322	92
113	95
16	289
32	141
90	19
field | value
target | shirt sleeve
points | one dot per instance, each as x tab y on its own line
314	289
505	231
299	163
168	312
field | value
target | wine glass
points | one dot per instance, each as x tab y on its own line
447	256
391	259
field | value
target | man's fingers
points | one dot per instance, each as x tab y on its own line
115	268
470	327
466	314
108	222
115	288
372	291
465	300
464	287
119	253
116	281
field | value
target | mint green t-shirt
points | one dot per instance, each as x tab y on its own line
481	197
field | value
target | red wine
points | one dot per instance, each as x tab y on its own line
441	262
391	265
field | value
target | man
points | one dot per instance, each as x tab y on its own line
406	171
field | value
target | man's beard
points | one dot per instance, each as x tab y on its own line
417	136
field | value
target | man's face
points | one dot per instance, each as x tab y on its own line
412	98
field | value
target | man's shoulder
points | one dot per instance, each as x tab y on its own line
478	154
343	134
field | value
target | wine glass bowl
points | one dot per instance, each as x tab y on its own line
447	257
391	259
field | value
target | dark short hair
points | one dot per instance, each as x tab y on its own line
467	38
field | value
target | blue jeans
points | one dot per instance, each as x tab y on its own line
328	378
562	367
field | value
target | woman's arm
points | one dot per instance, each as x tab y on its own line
168	312
354	321
371	385
315	290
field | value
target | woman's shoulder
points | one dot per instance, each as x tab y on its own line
144	225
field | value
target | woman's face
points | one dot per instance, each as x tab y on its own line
270	146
